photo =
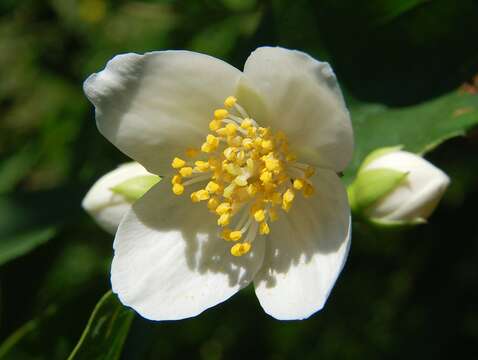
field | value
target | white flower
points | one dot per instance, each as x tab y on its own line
273	125
412	198
106	203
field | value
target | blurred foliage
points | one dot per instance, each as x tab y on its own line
402	295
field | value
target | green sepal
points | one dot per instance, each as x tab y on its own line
132	189
371	185
395	224
378	153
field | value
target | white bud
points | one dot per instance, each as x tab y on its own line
416	196
107	205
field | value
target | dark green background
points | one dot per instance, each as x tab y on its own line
410	294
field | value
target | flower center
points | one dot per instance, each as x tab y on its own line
250	174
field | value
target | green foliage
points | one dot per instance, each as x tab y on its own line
418	128
105	332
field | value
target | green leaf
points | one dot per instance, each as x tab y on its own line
371	185
418	128
106	331
132	189
10	348
15	246
31	219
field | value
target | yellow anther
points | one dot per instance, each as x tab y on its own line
241	157
202	165
272	164
186	171
288	196
286	206
176	179
298	184
207	148
257	142
178	189
259	215
241	180
229	153
264	228
212	140
213	203
199	195
220	114
223	208
252	131
246	123
212	187
226	234
215	125
234	140
221	131
235	235
264	131
230	101
231	129
178	163
267	145
192	152
308	190
224	219
266	177
247	143
240	249
250	165
252	189
229	190
309	171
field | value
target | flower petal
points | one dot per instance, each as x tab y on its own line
106	207
306	252
153	106
304	100
169	263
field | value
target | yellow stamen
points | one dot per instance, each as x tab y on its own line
212	187
298	184
220	114
259	215
186	171
230	101
243	170
178	189
240	249
264	228
178	163
235	235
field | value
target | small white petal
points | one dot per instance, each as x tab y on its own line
417	196
169	263
153	106
306	251
304	100
103	205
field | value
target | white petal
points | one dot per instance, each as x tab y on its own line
169	263
106	207
153	106
304	100
306	252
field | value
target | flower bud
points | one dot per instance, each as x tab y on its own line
395	187
110	198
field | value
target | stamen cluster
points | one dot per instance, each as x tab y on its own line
250	172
